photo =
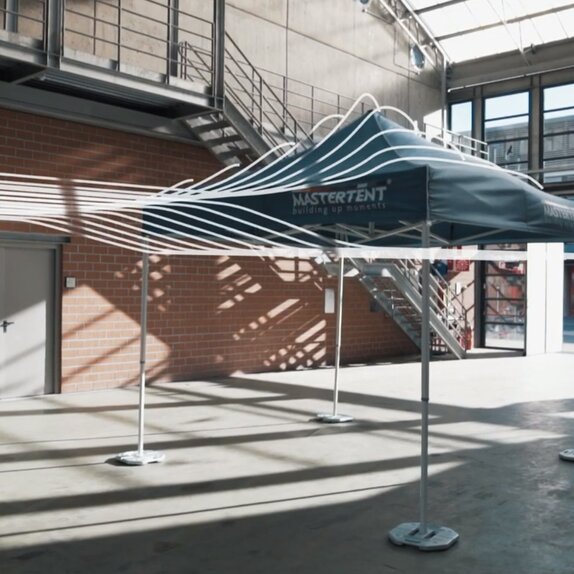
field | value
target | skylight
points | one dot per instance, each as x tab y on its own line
469	29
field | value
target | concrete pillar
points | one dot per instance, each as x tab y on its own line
544	298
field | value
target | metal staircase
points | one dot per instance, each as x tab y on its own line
395	286
251	120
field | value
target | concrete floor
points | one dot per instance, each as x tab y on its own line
250	485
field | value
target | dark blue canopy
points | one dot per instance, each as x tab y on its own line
373	177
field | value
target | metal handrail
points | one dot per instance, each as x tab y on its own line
264	106
312	99
263	84
262	101
257	118
7	16
464	143
204	73
445	302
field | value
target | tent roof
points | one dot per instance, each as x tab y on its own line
368	184
372	181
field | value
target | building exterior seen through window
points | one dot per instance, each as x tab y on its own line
558	151
504	301
461	118
506	125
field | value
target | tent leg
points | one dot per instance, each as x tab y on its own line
421	534
567	454
335	417
140	456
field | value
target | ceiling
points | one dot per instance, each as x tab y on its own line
471	29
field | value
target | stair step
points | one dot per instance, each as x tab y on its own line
223	140
238	153
210	127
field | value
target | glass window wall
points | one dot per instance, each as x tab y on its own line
461	118
504	301
506	128
558	136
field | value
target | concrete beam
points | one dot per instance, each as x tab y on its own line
549	57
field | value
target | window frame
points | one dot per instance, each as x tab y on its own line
544	135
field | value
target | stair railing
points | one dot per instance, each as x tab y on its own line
462	142
246	88
445	302
194	63
264	108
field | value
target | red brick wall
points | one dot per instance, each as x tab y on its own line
207	316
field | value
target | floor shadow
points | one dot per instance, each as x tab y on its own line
501	515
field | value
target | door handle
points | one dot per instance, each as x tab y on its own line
5	324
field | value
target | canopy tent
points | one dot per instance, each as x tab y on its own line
367	186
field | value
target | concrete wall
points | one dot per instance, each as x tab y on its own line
327	49
333	46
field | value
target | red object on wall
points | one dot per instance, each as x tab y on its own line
459	265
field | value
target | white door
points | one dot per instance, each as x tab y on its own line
27	277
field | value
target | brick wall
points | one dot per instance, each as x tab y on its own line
207	316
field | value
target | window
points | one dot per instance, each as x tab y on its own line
461	118
558	134
461	126
506	124
504	301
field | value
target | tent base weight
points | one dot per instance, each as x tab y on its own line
139	458
435	538
567	454
331	418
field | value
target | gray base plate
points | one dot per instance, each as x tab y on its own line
331	418
567	454
436	537
139	458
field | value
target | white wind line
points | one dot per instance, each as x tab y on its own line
293	186
342	120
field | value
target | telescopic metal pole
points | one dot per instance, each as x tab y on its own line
421	534
335	417
140	456
425	372
143	349
338	332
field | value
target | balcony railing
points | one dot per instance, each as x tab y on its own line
154	40
115	34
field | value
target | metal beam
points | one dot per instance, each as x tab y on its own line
33	100
11	15
218	52
438	6
53	32
409	19
172	39
535	125
502	22
510	66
